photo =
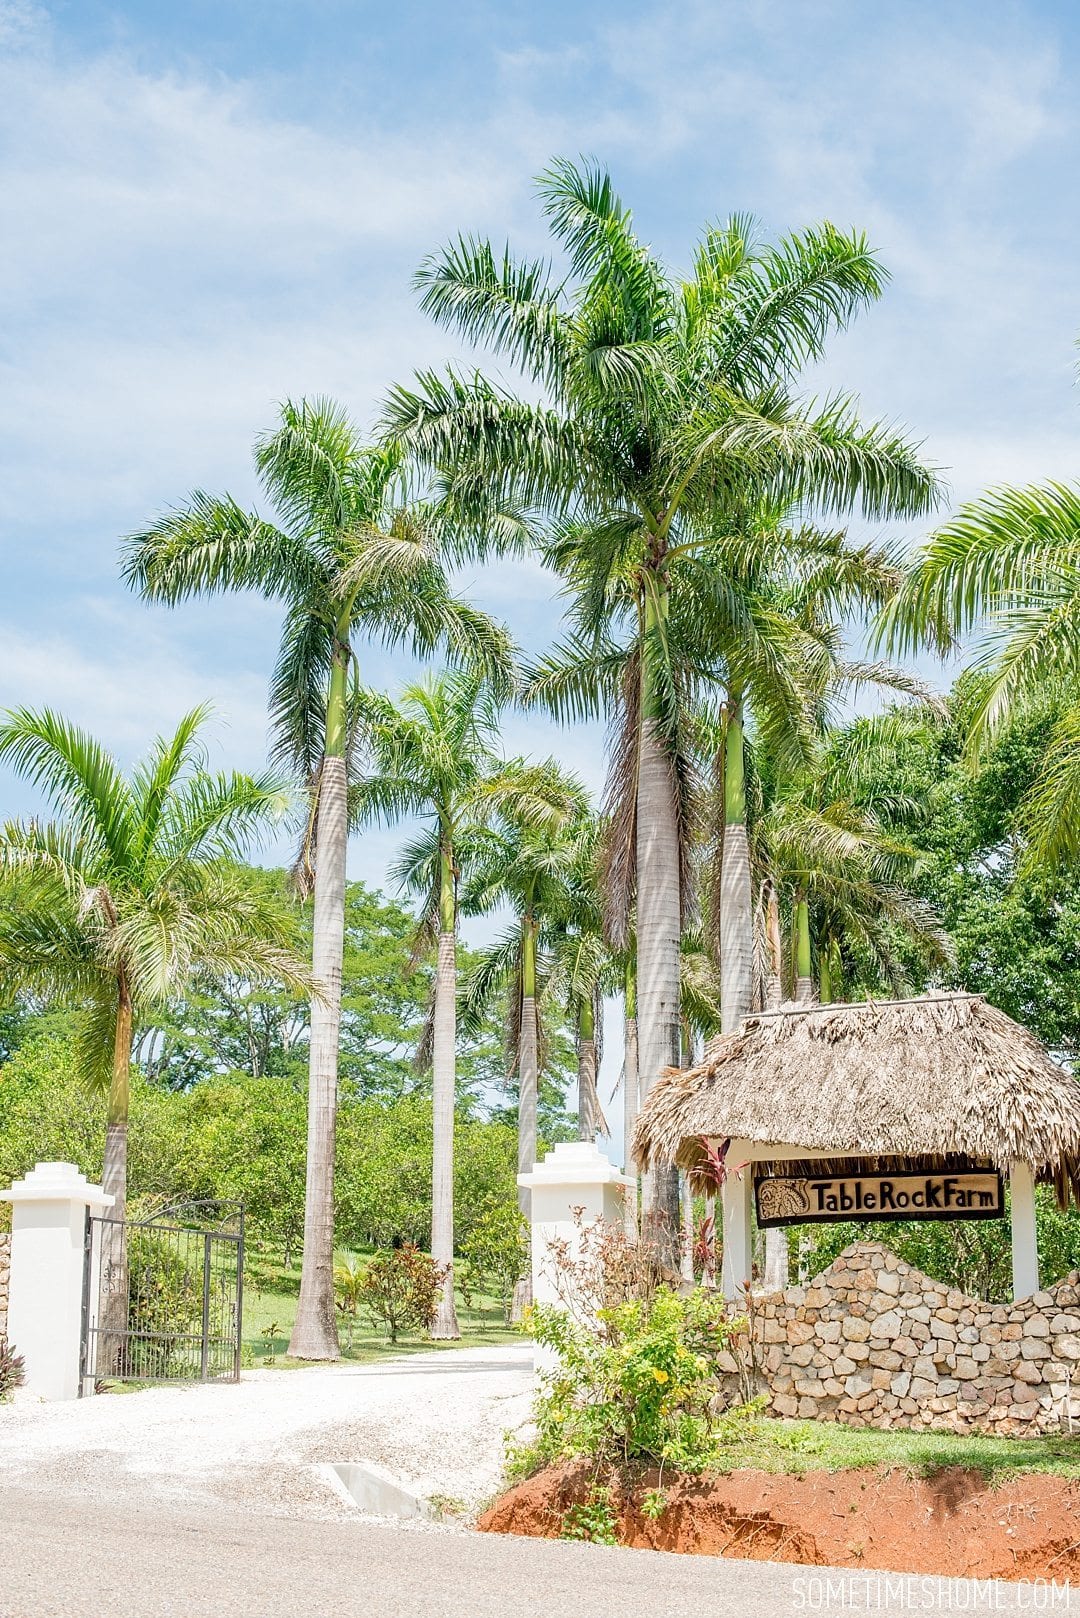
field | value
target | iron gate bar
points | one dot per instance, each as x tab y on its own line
156	1279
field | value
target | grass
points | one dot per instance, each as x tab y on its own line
816	1446
270	1294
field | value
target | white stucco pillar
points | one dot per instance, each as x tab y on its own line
574	1175
45	1293
738	1230
1025	1247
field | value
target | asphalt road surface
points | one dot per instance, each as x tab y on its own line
84	1558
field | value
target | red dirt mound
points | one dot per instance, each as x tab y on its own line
952	1524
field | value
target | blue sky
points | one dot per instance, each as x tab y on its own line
209	206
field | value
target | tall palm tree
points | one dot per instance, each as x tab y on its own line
528	869
1009	565
583	968
127	896
432	755
661	400
352	557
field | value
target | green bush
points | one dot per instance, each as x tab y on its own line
400	1289
495	1253
641	1383
164	1305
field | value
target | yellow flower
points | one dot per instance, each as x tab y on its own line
660	1376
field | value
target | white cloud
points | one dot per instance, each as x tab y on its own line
130	688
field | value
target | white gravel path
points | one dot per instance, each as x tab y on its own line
436	1420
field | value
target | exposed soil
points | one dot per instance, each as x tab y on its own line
952	1524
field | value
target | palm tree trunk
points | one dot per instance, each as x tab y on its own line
825	985
113	1319
686	1255
444	1327
314	1333
114	1172
774	987
737	924
736	901
586	1055
527	1095
659	923
804	971
776	1260
630	1092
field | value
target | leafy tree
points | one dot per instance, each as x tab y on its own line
1008	564
233	1026
666	418
1015	927
243	1141
353	557
120	901
237	1138
385	1167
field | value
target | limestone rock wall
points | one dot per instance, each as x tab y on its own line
5	1266
874	1343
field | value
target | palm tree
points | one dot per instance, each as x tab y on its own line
127	896
834	840
582	966
663	401
529	869
353	557
1009	564
432	755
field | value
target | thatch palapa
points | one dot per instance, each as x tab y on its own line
942	1075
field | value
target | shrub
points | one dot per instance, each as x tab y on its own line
164	1306
496	1254
602	1267
349	1290
400	1289
640	1383
12	1369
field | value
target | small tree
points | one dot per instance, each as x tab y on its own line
402	1288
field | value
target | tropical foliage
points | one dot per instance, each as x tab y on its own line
339	1060
668	453
352	556
125	901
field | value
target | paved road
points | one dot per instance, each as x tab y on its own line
71	1558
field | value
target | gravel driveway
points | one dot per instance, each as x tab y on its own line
436	1420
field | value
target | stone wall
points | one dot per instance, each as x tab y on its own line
5	1267
875	1343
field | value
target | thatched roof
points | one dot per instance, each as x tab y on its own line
942	1075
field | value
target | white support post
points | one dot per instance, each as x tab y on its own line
738	1255
45	1293
575	1175
1025	1247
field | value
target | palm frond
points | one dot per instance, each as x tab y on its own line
77	775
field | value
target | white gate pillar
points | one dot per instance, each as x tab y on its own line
575	1174
45	1292
1025	1246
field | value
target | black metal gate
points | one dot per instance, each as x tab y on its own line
163	1297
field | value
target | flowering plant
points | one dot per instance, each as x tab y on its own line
640	1383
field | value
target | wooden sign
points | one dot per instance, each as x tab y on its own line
807	1200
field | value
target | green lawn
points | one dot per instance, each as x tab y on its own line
814	1446
270	1293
